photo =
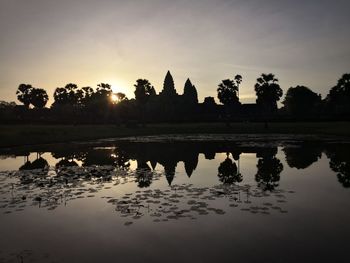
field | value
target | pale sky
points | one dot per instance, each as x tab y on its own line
49	43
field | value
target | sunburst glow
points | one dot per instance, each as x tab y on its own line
114	98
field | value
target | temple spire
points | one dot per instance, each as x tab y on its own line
190	92
168	86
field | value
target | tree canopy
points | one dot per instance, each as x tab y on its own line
27	94
143	91
67	95
24	94
301	101
268	92
338	99
39	98
228	90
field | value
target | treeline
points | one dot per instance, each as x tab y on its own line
73	104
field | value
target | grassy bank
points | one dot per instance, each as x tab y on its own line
16	135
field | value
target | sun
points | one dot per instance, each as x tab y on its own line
114	98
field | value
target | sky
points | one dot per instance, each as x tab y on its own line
49	43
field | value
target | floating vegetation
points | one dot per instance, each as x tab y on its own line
51	188
55	187
188	201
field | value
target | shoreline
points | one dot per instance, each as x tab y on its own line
31	135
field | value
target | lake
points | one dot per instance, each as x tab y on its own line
209	198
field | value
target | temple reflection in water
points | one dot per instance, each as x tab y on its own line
152	155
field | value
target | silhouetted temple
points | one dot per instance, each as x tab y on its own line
168	105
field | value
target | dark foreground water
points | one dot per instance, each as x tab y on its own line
175	199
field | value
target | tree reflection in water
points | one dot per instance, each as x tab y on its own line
144	174
228	172
39	163
86	172
303	155
269	170
340	162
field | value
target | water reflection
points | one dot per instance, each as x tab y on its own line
83	171
39	163
303	155
269	169
168	155
340	162
144	174
50	188
228	172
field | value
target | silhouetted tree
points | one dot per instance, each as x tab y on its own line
99	102
5	104
60	96
102	94
228	94
228	172
228	90
30	95
24	94
301	101
84	95
143	92
338	99
66	95
268	92
39	98
121	97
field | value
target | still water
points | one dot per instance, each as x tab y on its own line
177	199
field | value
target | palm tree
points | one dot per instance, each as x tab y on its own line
66	95
228	90
39	98
143	92
83	95
24	94
228	94
268	92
